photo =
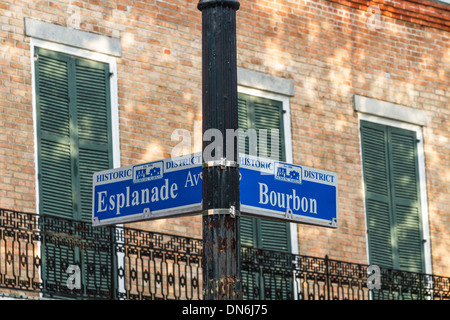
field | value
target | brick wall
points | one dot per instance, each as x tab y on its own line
331	54
16	122
423	12
325	47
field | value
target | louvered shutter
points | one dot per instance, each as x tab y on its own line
248	225
94	154
392	197
376	182
268	114
54	127
54	124
93	127
406	199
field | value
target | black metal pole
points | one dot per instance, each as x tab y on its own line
221	204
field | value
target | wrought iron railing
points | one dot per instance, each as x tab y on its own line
279	275
42	256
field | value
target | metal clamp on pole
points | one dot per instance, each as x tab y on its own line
231	211
222	163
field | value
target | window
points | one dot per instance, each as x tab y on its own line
262	113
392	197
74	140
73	131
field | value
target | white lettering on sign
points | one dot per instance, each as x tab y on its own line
192	180
286	201
256	163
115	175
318	176
181	162
143	196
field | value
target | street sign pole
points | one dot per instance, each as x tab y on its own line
210	182
220	170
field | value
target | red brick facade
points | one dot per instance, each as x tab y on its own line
422	12
326	48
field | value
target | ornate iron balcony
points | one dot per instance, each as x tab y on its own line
43	256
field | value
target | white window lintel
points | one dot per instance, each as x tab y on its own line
72	37
390	110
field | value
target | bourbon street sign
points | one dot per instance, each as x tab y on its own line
283	191
173	187
155	190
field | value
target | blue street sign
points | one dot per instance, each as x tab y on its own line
173	187
283	191
155	190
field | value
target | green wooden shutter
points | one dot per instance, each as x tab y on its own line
261	113
248	225
94	154
378	208
406	199
54	126
93	127
391	182
268	114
